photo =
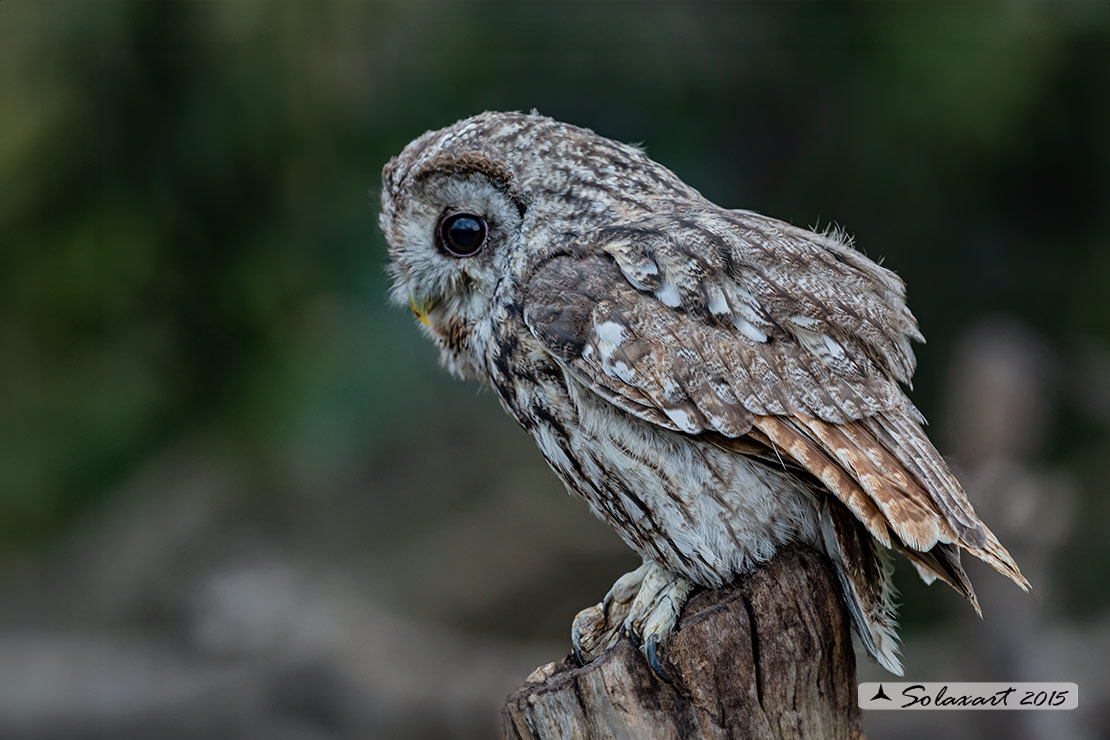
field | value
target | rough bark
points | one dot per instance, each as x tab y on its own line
767	657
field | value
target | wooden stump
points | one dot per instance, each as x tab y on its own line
767	657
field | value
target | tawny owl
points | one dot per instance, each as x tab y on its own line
714	383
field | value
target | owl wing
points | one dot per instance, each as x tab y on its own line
775	342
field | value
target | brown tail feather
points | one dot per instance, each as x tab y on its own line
887	481
996	556
906	509
943	562
800	448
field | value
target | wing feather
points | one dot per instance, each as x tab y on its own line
748	331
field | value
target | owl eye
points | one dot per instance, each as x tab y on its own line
462	234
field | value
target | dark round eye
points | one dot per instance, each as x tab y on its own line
462	234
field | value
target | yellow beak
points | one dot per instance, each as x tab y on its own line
420	308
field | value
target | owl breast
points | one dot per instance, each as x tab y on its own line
681	502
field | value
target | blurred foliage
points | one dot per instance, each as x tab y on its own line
188	240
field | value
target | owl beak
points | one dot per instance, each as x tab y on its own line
421	308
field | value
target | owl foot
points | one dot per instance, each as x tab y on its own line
600	627
643	605
655	611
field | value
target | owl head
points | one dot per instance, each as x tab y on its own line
452	219
467	209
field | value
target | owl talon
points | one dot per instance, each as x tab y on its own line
599	627
577	652
643	606
654	613
651	648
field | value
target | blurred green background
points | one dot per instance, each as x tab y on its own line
218	445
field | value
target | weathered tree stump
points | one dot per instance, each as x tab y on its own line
767	657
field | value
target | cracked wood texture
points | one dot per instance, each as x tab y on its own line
767	657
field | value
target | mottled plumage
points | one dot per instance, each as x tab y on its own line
714	383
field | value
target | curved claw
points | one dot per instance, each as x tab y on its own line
642	605
652	649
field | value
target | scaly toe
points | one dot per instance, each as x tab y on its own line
599	627
590	633
654	613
